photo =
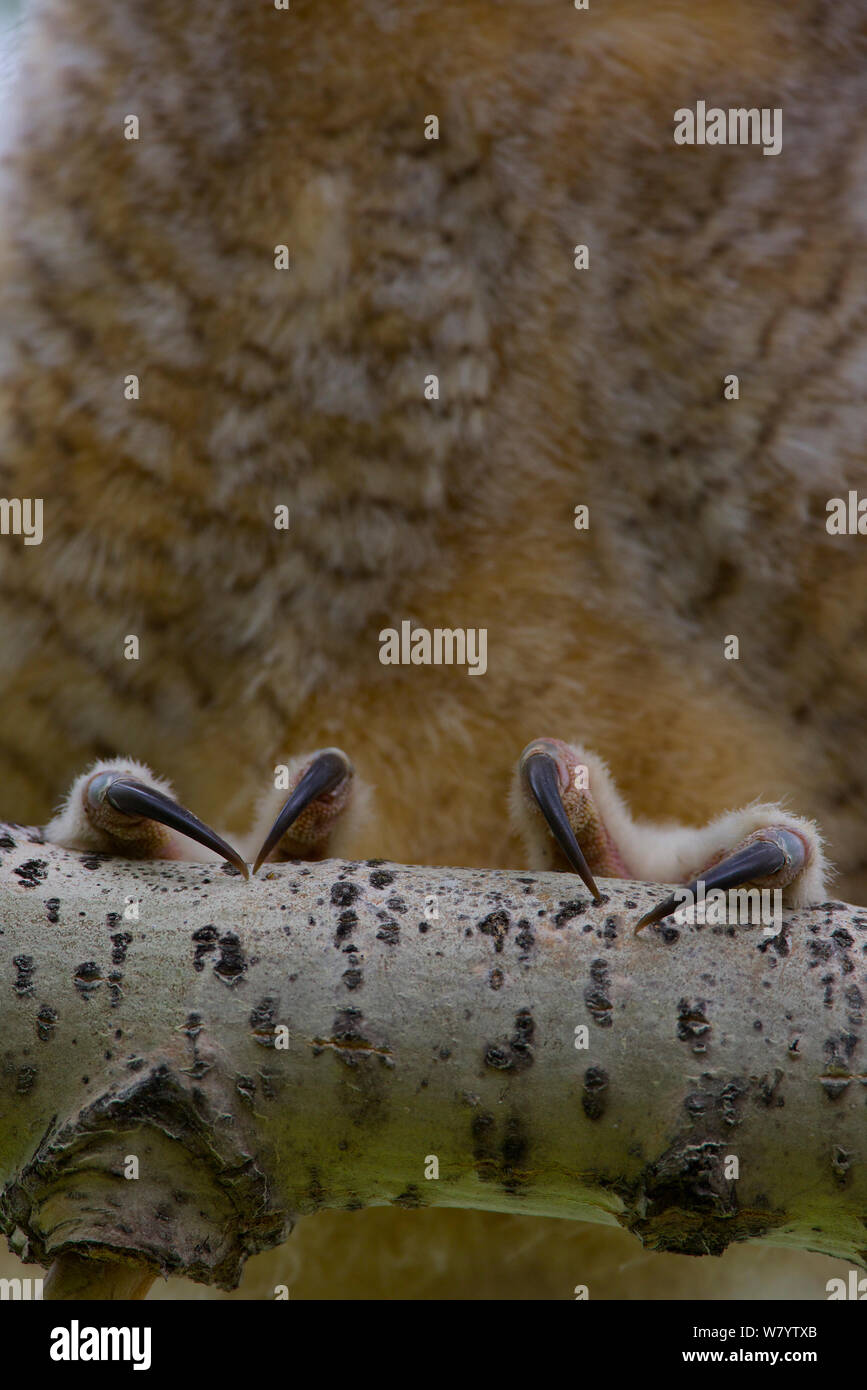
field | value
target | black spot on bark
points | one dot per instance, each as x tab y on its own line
52	909
347	1033
411	1198
347	920
87	977
46	1022
496	924
206	941
855	1005
593	1096
381	878
344	894
24	967
353	978
692	1024
609	930
121	941
596	995
500	1058
525	938
231	966
778	944
262	1018
525	1029
568	910
32	872
729	1100
820	951
517	1053
720	1101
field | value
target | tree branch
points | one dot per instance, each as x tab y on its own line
176	1089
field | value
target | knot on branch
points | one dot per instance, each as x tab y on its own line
152	1173
687	1206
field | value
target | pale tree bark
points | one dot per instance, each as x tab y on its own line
177	1088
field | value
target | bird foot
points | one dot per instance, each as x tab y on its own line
564	803
321	792
120	807
571	816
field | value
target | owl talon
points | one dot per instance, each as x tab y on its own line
545	779
133	798
322	791
121	808
565	789
772	857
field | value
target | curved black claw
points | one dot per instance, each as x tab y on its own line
134	798
325	773
540	773
760	860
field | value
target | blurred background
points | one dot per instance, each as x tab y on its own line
10	15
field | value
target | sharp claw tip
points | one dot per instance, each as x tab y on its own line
655	915
235	862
